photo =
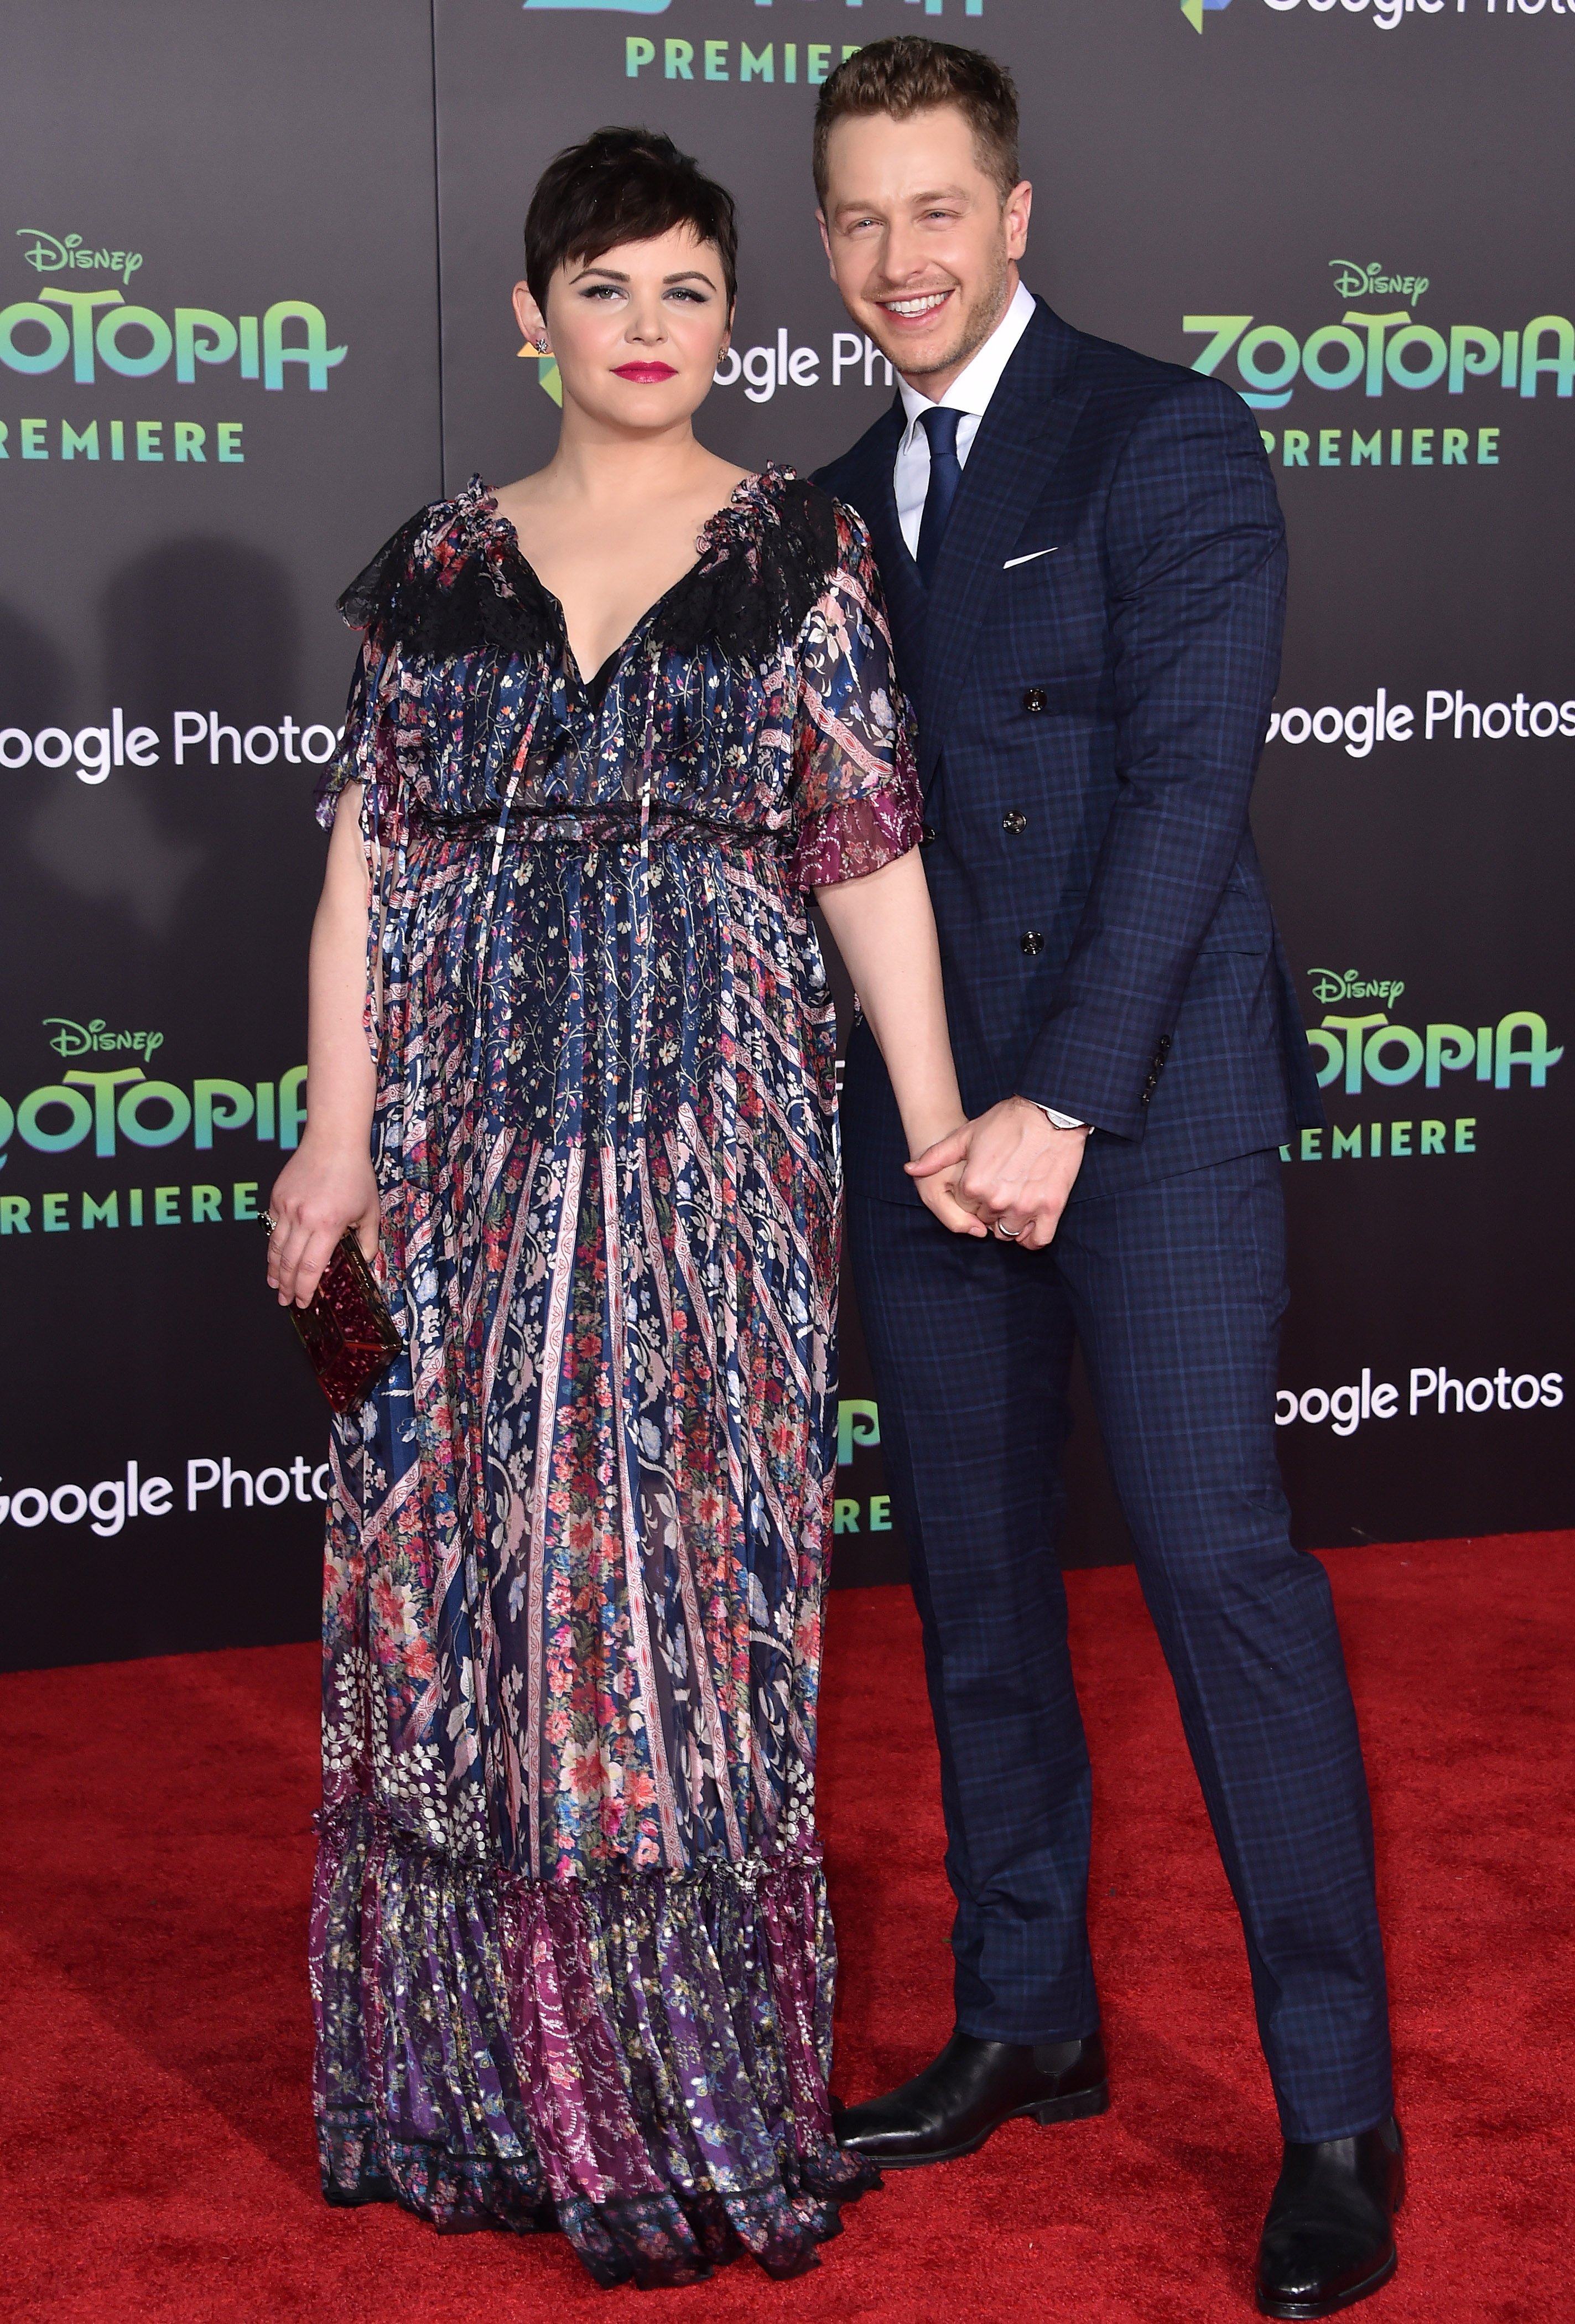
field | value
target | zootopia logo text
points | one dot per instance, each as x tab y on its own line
1383	351
1390	1055
99	327
110	1104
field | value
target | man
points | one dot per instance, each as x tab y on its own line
1084	561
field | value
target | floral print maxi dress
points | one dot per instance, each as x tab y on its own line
572	1963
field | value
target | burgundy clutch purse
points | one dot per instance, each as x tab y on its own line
348	1331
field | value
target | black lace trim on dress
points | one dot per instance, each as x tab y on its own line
757	583
764	560
405	599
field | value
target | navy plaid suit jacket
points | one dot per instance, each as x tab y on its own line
1092	670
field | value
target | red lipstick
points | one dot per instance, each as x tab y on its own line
646	375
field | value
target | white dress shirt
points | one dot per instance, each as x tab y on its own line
969	394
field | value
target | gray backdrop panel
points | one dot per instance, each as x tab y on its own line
1224	186
250	157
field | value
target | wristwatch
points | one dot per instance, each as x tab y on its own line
1058	1120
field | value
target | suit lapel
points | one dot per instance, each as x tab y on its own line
906	594
875	497
1020	441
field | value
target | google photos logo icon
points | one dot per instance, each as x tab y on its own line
1193	10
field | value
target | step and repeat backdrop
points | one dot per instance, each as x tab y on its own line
254	268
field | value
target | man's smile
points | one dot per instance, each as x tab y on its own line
917	306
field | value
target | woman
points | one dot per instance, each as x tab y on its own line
571	1955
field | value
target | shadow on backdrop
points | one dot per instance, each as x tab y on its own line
195	626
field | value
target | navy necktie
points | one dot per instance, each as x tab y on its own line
946	474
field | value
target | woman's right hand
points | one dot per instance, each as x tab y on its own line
937	1187
321	1190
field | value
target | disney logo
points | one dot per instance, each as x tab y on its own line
49	253
1333	984
74	1040
1354	282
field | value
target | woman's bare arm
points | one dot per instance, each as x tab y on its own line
885	931
328	1183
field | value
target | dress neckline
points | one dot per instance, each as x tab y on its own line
503	529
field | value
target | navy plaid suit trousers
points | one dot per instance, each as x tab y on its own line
1175	1291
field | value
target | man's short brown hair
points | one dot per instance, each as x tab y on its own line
908	75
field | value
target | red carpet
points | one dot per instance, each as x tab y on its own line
157	2152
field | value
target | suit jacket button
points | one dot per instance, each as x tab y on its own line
1014	821
1033	942
1165	1042
1036	699
926	834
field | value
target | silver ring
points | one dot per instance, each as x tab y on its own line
1009	1235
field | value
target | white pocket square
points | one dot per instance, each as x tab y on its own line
1029	558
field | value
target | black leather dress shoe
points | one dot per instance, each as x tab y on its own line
1330	2236
969	2091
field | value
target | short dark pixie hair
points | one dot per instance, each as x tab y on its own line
909	74
622	185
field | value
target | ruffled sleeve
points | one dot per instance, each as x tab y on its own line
366	752
856	786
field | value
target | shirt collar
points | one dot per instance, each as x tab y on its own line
972	388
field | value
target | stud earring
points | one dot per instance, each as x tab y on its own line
541	346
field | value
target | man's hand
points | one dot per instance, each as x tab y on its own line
1016	1170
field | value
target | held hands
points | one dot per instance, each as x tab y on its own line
937	1170
1011	1171
320	1191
